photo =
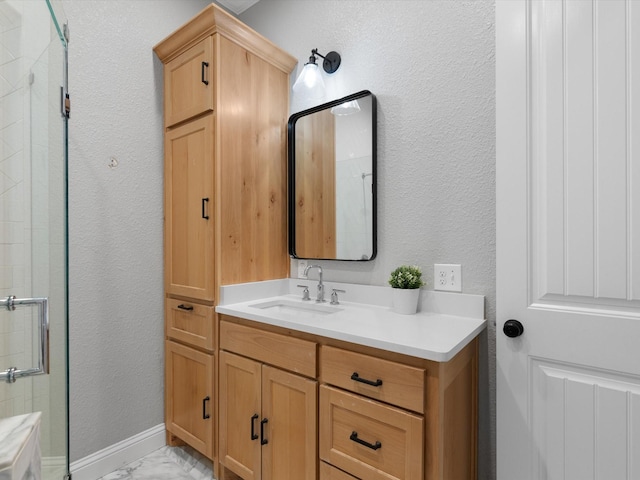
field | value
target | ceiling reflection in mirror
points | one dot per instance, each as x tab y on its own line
332	180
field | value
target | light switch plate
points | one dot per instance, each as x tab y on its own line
447	277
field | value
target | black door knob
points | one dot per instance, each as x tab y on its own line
513	328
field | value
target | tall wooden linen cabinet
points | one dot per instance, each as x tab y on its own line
226	104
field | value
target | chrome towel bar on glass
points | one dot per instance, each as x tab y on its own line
13	373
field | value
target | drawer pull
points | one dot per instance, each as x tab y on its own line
204	65
263	441
185	307
205	415
357	378
372	446
254	435
205	214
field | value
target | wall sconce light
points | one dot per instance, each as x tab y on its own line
310	82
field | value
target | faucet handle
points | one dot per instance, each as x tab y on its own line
334	296
305	292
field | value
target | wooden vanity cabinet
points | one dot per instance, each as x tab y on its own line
267	413
380	415
226	105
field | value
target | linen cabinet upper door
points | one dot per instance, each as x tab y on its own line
189	210
189	83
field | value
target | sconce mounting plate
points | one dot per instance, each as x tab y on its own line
331	62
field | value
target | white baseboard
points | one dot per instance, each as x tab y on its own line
107	460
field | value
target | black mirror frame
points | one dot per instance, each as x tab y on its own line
291	148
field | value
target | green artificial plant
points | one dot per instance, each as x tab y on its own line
406	276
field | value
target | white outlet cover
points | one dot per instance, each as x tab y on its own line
302	265
447	277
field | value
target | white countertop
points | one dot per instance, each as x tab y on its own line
429	335
19	446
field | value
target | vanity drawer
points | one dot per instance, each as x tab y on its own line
190	323
368	439
393	382
289	353
329	472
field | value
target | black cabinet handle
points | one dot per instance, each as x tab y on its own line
205	201
357	378
205	415
263	441
254	435
204	65
185	307
372	446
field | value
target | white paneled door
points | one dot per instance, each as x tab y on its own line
568	233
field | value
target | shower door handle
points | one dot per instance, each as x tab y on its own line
13	373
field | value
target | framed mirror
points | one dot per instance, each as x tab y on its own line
332	180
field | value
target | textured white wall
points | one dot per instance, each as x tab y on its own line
115	217
431	65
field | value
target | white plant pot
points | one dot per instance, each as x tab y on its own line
405	300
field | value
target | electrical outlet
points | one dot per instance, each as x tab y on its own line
447	277
302	265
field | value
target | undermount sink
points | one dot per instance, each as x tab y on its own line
282	305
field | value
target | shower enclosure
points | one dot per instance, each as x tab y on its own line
33	222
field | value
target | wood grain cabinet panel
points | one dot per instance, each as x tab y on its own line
189	203
189	83
189	396
240	415
282	351
190	323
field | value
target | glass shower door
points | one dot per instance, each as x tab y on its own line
33	226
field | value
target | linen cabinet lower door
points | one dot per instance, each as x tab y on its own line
289	403
240	415
189	396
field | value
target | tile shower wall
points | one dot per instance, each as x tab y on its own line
31	216
14	208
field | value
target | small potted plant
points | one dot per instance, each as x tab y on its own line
406	281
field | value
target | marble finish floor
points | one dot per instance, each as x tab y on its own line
166	463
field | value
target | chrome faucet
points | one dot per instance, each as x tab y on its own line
320	296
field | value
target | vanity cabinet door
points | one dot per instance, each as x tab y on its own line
267	421
240	415
189	210
289	403
189	396
189	83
